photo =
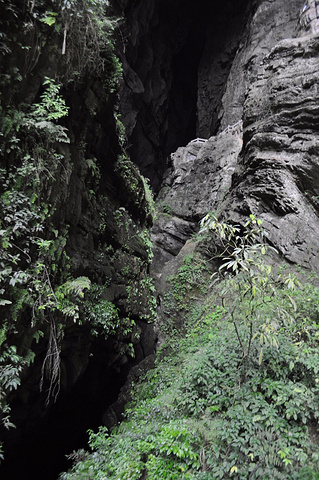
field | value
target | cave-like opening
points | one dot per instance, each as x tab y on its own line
182	61
37	448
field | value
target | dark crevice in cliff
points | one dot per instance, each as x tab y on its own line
37	448
182	105
176	64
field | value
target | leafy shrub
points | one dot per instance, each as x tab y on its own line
207	411
102	314
167	451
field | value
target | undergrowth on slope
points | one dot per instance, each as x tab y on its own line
214	407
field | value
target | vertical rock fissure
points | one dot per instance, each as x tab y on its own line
177	61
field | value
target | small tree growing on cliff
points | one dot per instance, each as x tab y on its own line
249	294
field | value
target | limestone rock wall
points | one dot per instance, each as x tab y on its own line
269	22
278	176
266	164
197	182
186	73
272	87
177	58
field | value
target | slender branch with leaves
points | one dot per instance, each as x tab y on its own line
251	287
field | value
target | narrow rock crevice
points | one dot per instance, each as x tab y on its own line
177	60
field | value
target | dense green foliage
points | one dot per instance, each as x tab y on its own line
29	255
43	291
82	32
214	407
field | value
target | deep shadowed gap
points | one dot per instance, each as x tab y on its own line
37	449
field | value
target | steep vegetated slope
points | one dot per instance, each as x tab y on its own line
234	391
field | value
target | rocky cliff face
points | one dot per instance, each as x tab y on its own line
186	73
243	73
266	165
177	59
279	163
197	182
272	88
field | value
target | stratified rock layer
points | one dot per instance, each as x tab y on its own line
197	182
279	176
269	23
272	85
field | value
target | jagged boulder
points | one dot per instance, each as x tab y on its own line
197	182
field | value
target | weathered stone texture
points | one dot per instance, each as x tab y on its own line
272	85
270	22
279	174
176	66
197	182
